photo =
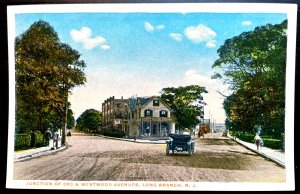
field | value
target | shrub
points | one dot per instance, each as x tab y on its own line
268	140
22	141
272	143
39	139
245	137
114	133
29	140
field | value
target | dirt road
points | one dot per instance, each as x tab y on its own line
216	159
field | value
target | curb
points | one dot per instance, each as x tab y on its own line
260	153
40	153
132	140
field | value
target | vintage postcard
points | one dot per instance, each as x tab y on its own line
151	96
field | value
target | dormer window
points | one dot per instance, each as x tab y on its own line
155	103
148	113
163	113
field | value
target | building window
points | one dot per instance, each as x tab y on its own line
163	113
155	103
119	105
148	113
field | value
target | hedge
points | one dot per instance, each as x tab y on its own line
114	133
38	139
245	137
268	141
29	140
273	143
22	141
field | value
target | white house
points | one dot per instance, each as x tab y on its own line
150	117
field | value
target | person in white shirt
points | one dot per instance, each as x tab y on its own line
258	141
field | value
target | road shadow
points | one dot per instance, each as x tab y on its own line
216	141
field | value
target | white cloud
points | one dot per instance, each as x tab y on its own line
84	36
160	27
176	36
105	47
148	27
200	33
211	44
246	23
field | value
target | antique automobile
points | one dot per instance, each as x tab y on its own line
180	143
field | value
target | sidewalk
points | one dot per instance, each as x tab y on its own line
32	153
276	156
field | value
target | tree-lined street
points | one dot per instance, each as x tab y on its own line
239	75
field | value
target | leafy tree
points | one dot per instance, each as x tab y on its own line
70	119
46	71
90	119
253	63
185	103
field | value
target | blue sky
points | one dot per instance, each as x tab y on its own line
140	53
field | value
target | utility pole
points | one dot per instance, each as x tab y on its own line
63	138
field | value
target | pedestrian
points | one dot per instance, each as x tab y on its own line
258	141
69	135
55	140
134	135
48	136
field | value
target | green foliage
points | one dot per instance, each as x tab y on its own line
185	103
22	141
253	64
46	71
39	139
90	119
246	137
70	119
114	133
272	143
29	140
269	142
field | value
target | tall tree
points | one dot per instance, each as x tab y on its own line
185	103
46	71
90	119
70	119
254	63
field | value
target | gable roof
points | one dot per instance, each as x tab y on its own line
150	99
144	101
141	100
